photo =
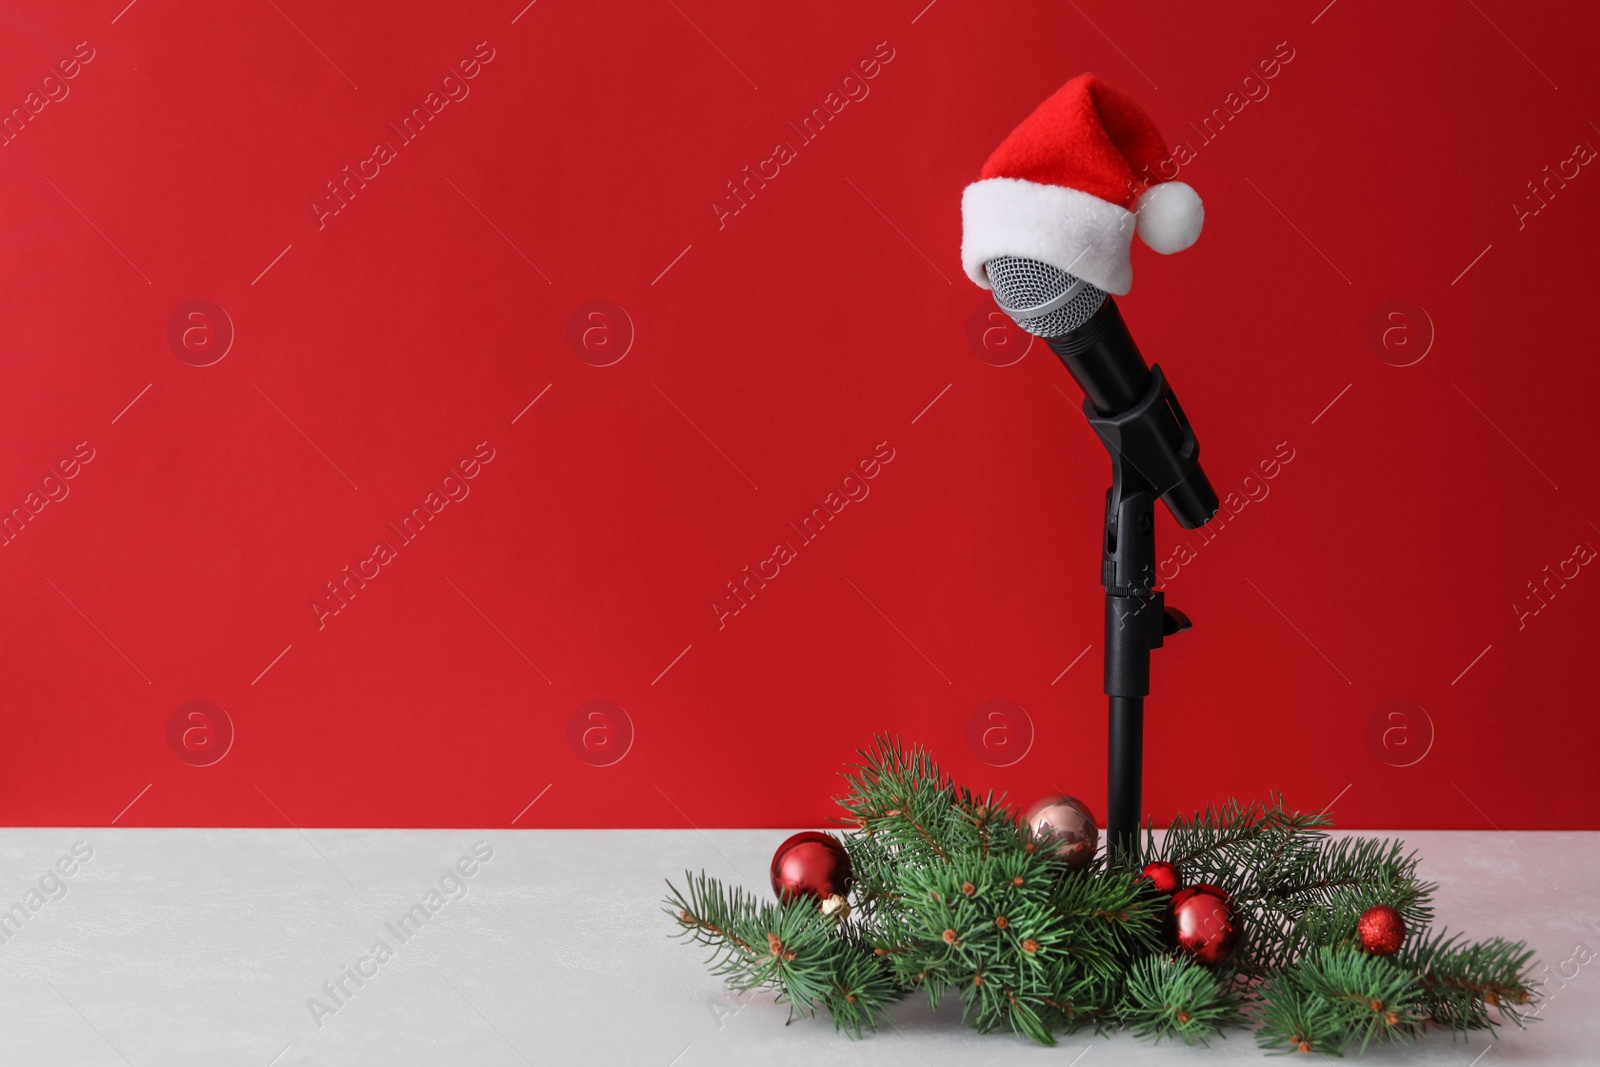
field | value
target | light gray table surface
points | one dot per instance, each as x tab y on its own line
204	947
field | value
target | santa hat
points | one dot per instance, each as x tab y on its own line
1071	184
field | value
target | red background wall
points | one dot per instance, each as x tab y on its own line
376	347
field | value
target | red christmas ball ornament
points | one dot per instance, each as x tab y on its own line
1069	826
1381	930
811	864
1162	876
1203	924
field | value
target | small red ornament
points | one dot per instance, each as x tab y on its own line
1203	924
1381	930
811	864
1163	876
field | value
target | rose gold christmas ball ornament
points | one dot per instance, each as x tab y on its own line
1068	826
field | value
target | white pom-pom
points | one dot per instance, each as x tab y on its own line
1170	217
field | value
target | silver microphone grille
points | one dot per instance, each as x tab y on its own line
1044	300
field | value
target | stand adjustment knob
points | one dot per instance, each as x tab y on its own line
1174	622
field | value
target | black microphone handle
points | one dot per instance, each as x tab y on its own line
1106	363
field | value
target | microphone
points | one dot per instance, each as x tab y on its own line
1084	328
1048	226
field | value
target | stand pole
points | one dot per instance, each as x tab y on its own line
1136	622
1125	773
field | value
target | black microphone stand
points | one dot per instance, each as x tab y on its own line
1154	455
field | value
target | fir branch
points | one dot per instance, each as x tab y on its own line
1113	912
710	915
1336	995
1086	1002
1326	904
1169	997
1293	1020
903	798
1462	980
1208	840
791	949
953	895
